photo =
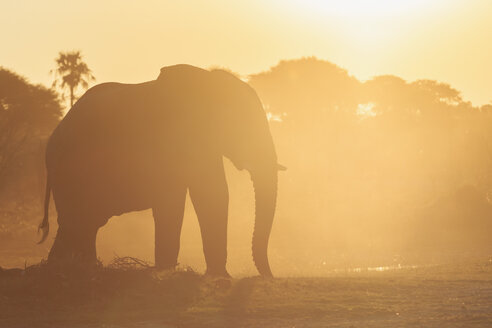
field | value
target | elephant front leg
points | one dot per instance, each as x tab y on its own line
168	218
210	197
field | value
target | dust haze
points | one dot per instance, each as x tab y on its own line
385	172
380	173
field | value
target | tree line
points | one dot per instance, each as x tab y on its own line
378	163
369	162
28	114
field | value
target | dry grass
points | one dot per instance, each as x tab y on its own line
130	293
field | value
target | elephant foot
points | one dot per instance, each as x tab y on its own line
218	280
222	273
73	260
76	268
166	266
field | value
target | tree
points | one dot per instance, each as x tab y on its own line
28	114
72	72
306	88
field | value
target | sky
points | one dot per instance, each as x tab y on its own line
129	41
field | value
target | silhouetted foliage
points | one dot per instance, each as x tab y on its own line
305	87
71	72
373	166
28	114
363	157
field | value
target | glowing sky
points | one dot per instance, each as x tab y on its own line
128	41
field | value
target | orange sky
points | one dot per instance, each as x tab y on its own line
128	41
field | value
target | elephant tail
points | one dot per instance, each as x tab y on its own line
45	224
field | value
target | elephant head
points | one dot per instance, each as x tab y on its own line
248	143
243	135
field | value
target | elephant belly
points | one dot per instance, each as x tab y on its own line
103	185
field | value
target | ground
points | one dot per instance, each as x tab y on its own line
128	294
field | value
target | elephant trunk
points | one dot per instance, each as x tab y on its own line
265	185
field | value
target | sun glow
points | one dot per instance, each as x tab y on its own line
366	110
361	7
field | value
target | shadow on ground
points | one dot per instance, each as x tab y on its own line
132	294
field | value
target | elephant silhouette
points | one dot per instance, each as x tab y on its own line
130	147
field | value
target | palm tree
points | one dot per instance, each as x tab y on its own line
71	72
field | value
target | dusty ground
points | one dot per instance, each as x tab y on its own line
453	295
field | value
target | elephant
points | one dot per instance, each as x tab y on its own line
131	147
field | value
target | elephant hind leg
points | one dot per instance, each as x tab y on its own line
75	241
168	218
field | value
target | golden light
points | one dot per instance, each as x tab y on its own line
366	110
361	7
